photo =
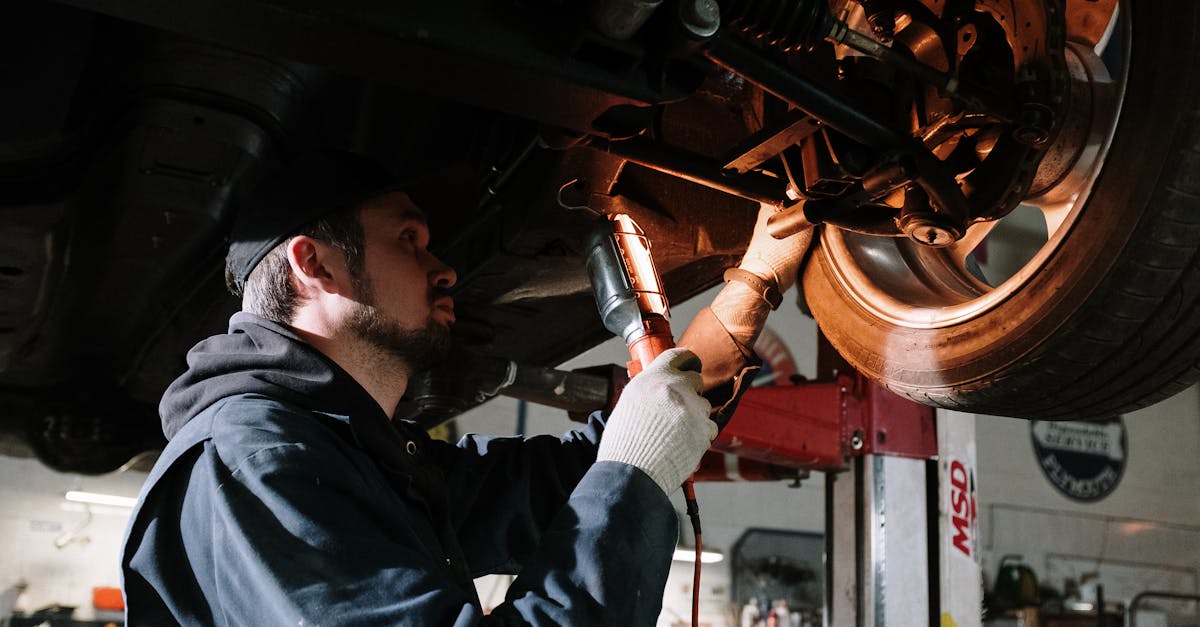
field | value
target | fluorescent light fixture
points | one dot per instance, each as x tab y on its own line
689	555
101	499
95	509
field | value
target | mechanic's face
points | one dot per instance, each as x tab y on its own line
404	300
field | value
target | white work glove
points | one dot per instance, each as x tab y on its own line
742	309
775	260
660	424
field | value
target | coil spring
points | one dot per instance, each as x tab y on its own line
786	25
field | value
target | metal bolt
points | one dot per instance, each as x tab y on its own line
883	25
1035	120
856	440
1031	135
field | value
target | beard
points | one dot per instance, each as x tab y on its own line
419	349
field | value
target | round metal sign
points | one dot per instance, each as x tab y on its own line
1084	460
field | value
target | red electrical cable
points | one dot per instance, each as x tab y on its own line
693	511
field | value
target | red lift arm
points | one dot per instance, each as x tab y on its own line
817	425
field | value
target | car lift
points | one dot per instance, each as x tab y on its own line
900	531
900	528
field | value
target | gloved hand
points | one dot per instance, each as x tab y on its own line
775	260
660	424
743	309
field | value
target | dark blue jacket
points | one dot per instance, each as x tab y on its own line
286	497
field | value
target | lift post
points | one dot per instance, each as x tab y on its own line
900	493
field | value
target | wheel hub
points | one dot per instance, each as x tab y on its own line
930	279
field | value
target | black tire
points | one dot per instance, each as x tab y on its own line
1111	321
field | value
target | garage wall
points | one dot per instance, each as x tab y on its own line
1145	534
35	517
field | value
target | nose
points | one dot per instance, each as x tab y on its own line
441	275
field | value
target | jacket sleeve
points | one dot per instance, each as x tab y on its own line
506	490
303	535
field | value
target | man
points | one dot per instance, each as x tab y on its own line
288	495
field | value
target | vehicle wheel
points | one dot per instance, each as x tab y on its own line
1105	317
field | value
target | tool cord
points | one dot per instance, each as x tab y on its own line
693	512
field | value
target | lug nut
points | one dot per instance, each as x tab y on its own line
1033	126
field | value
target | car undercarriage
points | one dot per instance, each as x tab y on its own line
903	130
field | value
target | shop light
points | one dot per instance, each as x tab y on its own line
94	498
684	554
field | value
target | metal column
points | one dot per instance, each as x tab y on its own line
960	578
900	527
877	533
900	536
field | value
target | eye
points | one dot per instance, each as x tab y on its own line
409	235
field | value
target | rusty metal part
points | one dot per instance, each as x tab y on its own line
697	169
823	177
968	36
873	220
1036	119
780	81
917	287
1002	180
881	15
1089	21
770	141
925	44
949	128
937	190
1027	32
997	172
842	34
790	25
789	221
889	176
1081	143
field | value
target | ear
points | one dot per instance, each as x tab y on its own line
317	267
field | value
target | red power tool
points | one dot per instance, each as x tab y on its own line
632	305
628	292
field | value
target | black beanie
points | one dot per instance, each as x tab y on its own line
286	201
